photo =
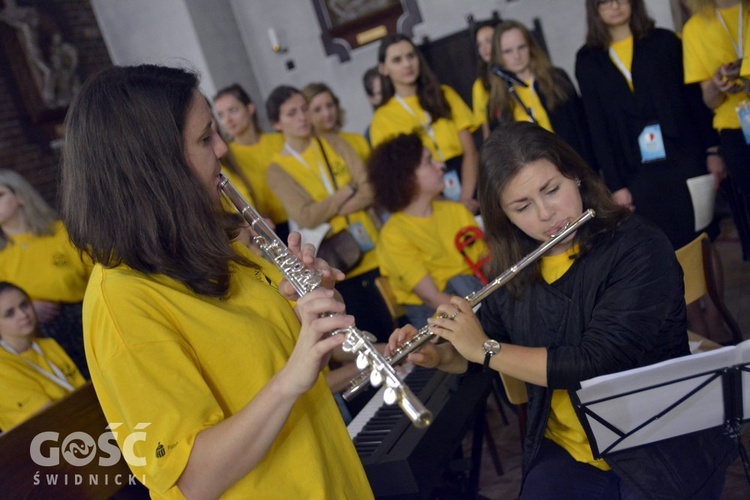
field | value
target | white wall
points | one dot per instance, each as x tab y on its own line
165	30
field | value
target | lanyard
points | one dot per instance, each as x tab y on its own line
621	66
426	125
323	177
57	377
738	48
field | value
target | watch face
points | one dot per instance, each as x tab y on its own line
491	347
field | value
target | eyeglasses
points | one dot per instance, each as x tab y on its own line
601	3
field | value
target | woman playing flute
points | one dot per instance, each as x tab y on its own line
186	332
606	299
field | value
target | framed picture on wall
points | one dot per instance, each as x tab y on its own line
348	24
43	64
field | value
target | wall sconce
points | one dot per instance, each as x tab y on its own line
275	44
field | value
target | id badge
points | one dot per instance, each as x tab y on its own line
651	143
360	235
452	188
743	113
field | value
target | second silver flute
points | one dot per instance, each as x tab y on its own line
305	281
424	335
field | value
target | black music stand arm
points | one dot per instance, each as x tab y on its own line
731	386
512	91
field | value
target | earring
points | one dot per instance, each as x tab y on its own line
578	182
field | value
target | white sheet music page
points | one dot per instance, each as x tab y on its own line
632	398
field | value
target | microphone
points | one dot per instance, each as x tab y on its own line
508	76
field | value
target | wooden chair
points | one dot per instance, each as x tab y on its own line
696	260
396	310
78	412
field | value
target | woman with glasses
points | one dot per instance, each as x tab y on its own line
650	132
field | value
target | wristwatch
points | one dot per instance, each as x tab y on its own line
491	347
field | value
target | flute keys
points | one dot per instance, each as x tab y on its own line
362	361
390	396
376	378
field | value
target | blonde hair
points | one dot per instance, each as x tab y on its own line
36	212
312	89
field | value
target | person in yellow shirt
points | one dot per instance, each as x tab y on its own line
187	332
415	101
607	298
36	254
480	90
35	372
320	180
715	42
327	117
250	152
548	94
417	247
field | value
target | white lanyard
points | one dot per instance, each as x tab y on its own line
621	66
323	177
58	377
426	125
738	48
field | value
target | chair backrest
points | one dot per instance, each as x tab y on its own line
395	309
515	389
70	468
691	259
696	260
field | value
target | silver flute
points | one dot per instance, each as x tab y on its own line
424	335
304	281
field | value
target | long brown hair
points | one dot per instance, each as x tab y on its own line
128	194
483	68
597	34
511	147
556	90
430	94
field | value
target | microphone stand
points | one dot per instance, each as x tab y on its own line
512	91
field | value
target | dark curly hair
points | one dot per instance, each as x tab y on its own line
392	169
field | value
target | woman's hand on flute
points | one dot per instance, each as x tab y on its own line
461	328
306	254
315	343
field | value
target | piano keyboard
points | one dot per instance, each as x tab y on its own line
400	459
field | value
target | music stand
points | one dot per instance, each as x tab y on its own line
668	399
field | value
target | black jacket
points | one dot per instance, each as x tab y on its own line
616	116
619	307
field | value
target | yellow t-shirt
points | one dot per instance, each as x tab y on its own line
707	46
624	51
310	176
530	98
254	160
358	143
25	390
563	426
46	267
479	99
391	119
411	248
164	357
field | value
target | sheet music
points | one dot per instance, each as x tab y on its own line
632	398
703	196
